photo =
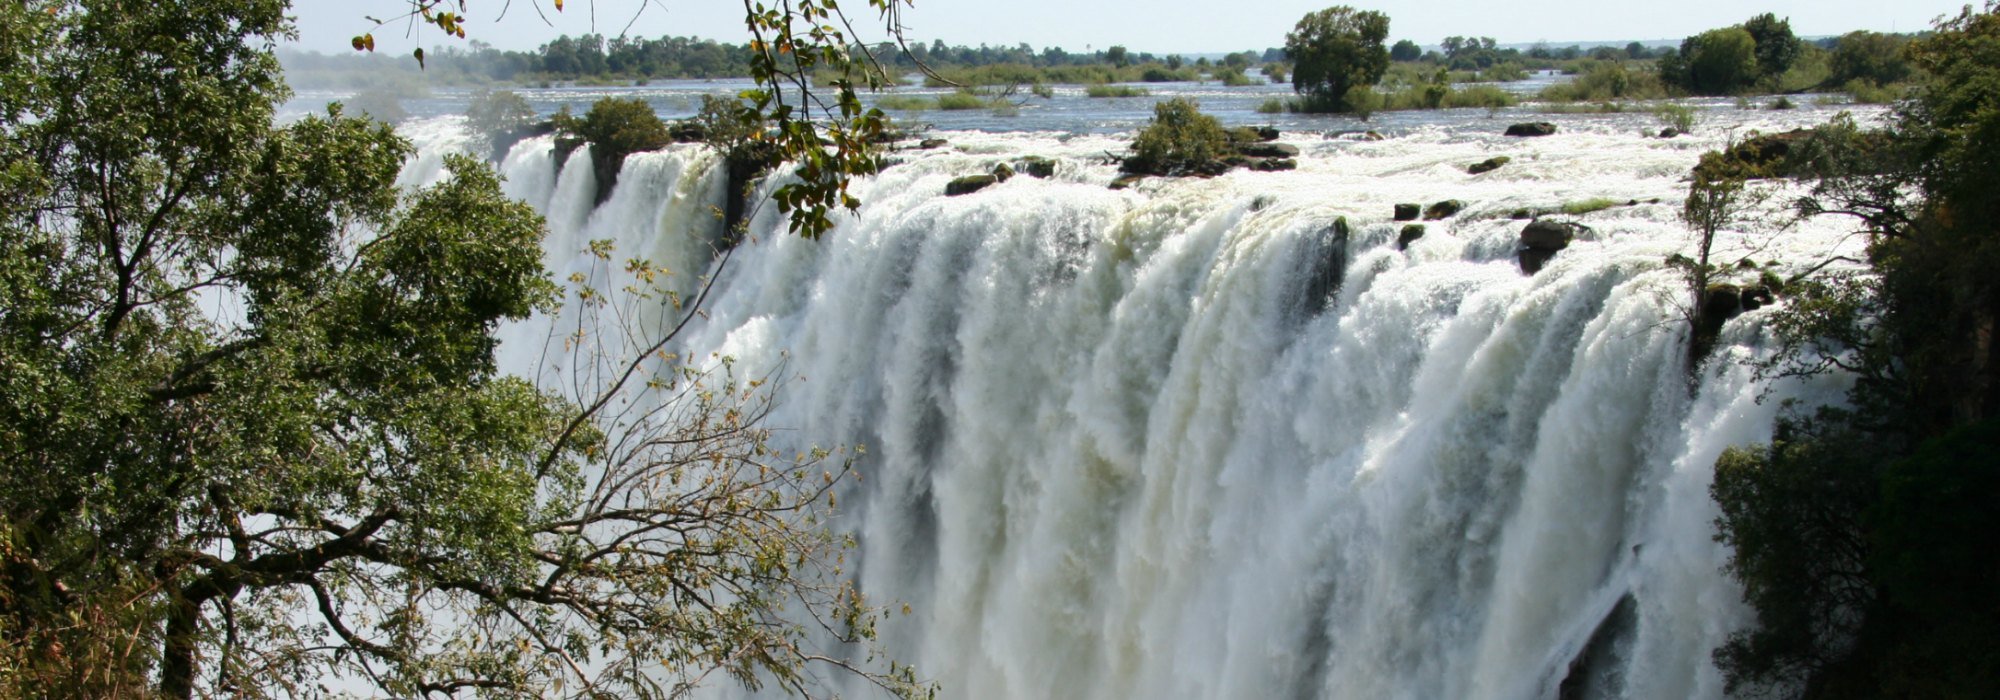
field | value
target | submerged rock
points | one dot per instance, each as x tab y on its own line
1531	129
969	184
1273	164
932	143
1444	209
1488	165
1542	238
1125	181
1268	150
1037	166
1410	234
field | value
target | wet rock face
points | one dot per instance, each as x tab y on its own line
1488	165
1443	210
1542	238
969	184
1408	212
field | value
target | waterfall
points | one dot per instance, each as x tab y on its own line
1187	440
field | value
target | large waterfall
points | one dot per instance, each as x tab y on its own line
1184	440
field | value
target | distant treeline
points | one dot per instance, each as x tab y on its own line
593	58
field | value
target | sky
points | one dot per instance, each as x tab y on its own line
1156	26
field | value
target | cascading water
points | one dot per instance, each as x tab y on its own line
1185	440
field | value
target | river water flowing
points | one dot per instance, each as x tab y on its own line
1185	441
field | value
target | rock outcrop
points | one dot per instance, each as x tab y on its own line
1531	129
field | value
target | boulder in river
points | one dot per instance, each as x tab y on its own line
1531	129
969	184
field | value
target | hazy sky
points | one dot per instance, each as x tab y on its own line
1158	26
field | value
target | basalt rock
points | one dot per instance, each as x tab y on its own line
969	184
1488	165
1268	150
1037	166
1410	234
1444	209
1531	129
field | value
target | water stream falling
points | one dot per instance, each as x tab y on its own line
1185	441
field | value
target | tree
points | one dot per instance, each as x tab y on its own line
329	478
1861	533
1335	50
1117	56
1405	51
1869	56
1776	46
1715	62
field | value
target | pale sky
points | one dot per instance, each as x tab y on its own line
1157	26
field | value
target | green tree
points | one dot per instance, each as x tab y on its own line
1335	50
1715	62
1117	56
1870	56
1777	47
1860	534
1405	51
255	439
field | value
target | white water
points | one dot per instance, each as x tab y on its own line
1114	451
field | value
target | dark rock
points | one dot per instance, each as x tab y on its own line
1268	150
1721	301
932	143
1274	164
1125	181
1550	234
1488	165
1037	166
1267	133
1531	129
1755	298
1533	260
1408	212
1669	132
1519	214
1002	172
1340	229
1372	135
969	184
1411	232
1444	209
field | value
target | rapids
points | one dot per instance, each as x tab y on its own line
1183	441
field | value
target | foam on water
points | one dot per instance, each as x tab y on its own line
1118	448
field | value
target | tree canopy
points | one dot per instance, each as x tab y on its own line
1854	532
1336	50
256	442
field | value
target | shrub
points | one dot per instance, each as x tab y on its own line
907	103
614	127
1680	117
963	99
1180	140
1275	105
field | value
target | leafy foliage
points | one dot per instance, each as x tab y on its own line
256	440
1180	140
1335	50
1854	531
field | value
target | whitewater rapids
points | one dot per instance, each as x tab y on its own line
1183	441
